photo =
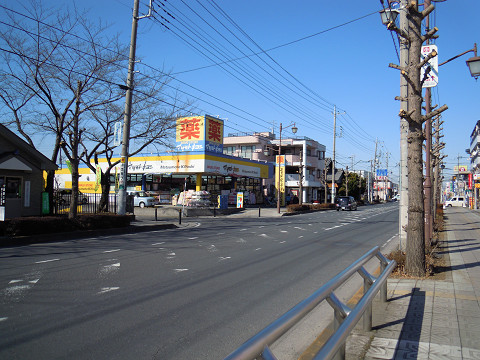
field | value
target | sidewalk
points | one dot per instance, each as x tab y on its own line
432	319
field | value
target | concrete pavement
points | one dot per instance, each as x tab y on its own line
432	319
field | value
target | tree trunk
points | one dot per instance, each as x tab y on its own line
105	205
415	259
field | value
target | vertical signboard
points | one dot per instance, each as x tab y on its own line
213	135
240	200
429	71
280	178
190	133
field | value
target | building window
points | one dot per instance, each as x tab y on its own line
229	150
309	152
319	173
321	155
246	151
13	187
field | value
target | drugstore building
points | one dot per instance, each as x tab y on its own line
197	163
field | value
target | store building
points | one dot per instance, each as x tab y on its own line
198	163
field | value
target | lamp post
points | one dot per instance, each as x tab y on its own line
278	162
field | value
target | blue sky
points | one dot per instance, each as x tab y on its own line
342	60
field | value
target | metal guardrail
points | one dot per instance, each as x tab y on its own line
345	318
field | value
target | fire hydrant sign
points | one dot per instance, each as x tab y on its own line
432	75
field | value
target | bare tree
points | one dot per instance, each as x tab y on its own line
53	71
152	124
415	259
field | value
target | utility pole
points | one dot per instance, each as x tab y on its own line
122	185
346	183
385	187
335	113
374	165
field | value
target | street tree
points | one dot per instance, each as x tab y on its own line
57	65
415	250
152	126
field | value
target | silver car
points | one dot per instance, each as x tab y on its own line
141	199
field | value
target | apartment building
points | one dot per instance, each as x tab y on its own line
305	159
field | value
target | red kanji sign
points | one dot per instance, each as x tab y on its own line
214	132
190	128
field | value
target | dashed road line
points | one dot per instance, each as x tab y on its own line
46	261
111	251
104	290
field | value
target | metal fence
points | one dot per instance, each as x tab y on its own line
345	318
87	203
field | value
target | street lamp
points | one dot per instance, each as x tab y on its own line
473	63
389	16
294	130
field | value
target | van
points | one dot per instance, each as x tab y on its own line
456	201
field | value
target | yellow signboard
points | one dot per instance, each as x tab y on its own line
190	129
280	178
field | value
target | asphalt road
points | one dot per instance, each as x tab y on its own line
192	293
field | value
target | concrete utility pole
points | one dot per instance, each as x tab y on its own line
122	183
335	113
375	181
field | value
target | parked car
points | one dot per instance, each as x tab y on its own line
396	197
64	196
345	203
141	199
456	201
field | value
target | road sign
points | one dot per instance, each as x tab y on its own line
432	76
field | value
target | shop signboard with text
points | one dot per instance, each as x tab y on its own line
199	134
280	178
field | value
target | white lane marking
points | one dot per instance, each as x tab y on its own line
264	235
193	238
14	281
16	290
111	251
261	226
241	240
300	236
107	269
46	261
179	270
299	228
334	227
284	231
282	242
221	258
171	254
107	289
221	233
33	281
315	232
159	243
393	237
258	249
3	318
243	229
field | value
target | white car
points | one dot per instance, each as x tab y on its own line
456	201
141	199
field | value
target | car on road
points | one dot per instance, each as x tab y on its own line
396	197
456	201
141	199
345	203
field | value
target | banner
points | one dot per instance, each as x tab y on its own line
280	178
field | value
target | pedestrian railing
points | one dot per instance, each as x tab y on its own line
345	319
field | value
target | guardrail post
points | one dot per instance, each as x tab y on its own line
258	211
341	311
383	265
179	217
156	215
